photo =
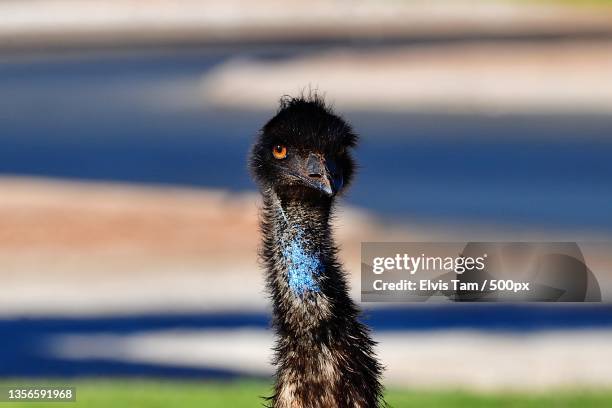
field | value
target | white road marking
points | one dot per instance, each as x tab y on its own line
418	359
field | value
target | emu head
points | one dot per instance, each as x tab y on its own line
304	151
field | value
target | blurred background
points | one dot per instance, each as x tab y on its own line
128	221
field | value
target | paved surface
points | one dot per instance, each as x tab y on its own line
72	248
73	23
118	280
491	78
458	346
77	248
440	359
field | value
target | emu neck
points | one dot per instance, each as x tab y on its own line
298	246
304	262
324	356
302	242
309	214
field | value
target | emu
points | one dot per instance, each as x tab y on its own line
324	356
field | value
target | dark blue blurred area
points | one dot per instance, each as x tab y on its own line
105	117
25	351
142	118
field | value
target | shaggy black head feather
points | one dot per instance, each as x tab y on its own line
324	355
304	126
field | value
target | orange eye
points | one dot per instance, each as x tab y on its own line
279	152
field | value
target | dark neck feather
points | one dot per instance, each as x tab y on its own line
302	244
303	273
324	355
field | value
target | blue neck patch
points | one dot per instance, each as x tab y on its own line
302	266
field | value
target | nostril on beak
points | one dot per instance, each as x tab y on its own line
315	166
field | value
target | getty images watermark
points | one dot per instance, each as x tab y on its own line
476	271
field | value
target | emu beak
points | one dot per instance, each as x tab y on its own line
322	174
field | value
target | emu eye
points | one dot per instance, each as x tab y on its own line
279	152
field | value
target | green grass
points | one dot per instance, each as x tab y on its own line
187	394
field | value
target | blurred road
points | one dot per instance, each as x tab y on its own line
66	24
479	120
476	346
145	117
